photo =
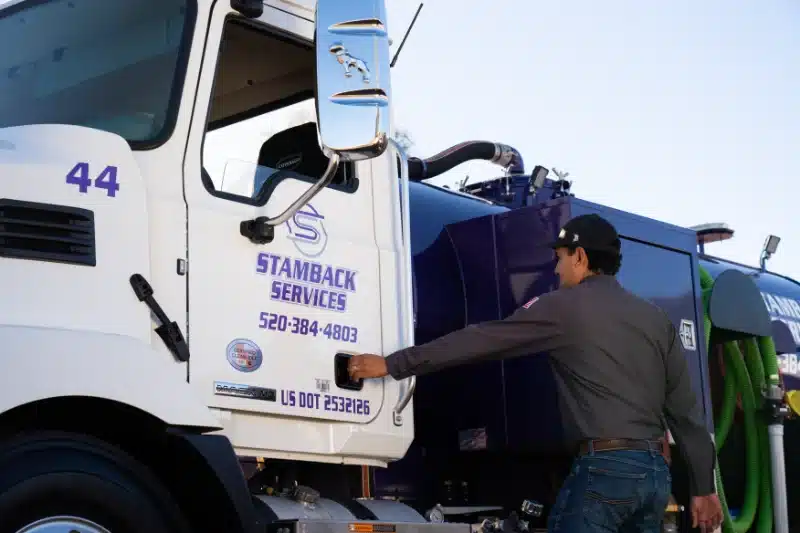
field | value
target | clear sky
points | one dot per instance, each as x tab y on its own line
684	111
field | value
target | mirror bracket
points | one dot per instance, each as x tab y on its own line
306	197
257	230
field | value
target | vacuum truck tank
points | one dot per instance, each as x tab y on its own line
488	434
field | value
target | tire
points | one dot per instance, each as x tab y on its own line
52	474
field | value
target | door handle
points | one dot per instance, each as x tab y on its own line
342	376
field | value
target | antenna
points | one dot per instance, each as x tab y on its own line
399	48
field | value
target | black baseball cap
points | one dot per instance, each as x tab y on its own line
591	232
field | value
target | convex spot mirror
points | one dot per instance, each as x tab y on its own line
352	71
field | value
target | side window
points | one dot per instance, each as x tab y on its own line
261	125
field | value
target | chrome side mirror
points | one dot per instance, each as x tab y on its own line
353	85
353	90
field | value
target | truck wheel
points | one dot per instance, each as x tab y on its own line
58	482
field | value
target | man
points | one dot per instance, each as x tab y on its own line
620	373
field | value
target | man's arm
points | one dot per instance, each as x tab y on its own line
684	417
538	326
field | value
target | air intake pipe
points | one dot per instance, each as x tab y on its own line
500	154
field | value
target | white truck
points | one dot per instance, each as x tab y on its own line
170	324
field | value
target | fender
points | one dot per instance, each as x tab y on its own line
41	363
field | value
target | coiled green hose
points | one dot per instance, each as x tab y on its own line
747	375
755	366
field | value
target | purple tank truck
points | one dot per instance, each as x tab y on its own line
488	447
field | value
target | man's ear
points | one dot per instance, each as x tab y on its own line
583	259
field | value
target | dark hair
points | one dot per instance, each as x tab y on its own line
601	262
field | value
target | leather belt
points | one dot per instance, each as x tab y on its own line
606	445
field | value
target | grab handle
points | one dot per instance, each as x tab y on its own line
407	306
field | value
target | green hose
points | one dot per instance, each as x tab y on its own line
727	412
747	375
735	364
728	407
755	365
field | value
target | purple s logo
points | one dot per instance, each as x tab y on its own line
307	231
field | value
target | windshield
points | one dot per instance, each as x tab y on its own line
114	66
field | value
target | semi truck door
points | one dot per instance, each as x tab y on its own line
270	307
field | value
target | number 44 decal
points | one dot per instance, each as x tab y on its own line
107	179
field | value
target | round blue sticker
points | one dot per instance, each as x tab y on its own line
244	355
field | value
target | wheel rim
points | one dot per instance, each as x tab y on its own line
63	524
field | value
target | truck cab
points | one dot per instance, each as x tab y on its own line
185	132
200	222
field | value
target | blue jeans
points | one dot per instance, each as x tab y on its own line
625	491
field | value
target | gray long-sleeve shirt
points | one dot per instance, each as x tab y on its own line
618	364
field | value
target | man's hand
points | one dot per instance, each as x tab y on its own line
367	365
706	512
